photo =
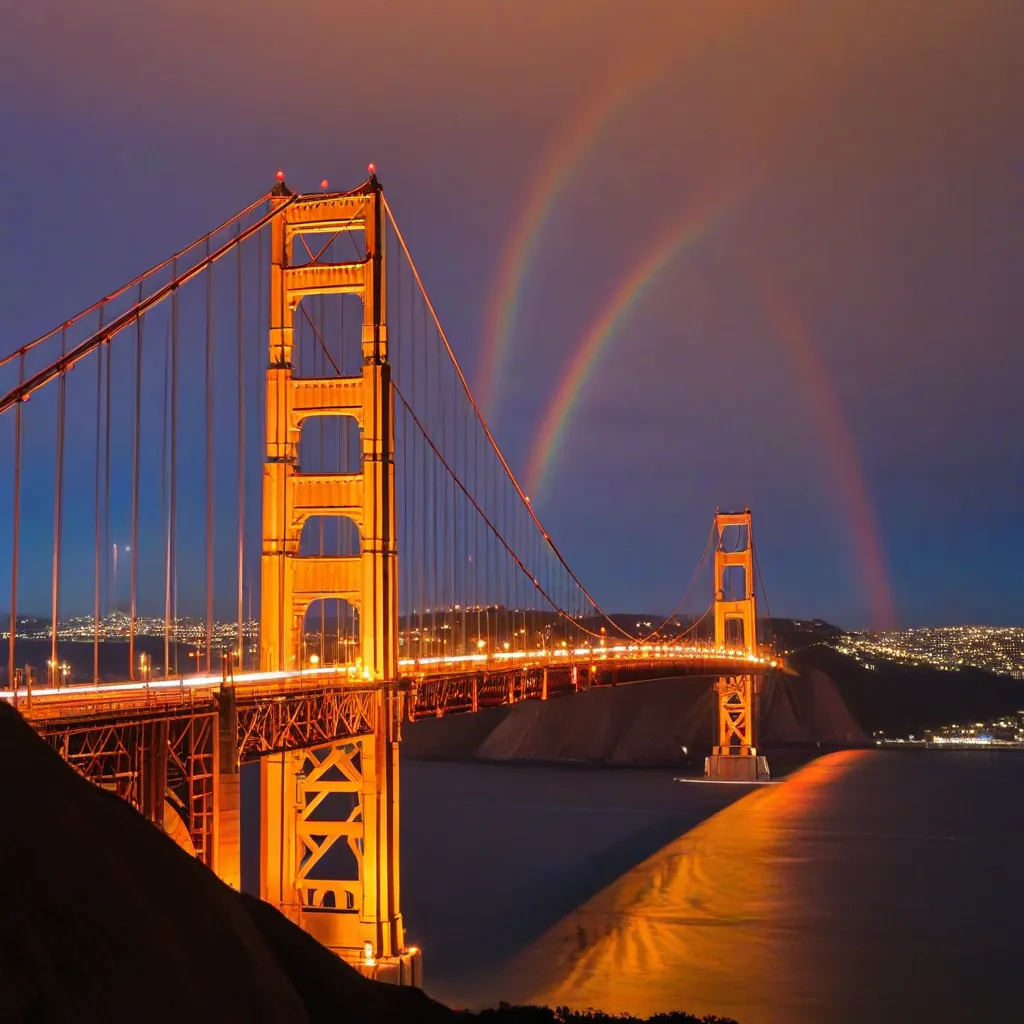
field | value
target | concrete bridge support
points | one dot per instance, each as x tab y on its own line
329	845
227	825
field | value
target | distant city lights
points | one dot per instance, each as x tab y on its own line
998	649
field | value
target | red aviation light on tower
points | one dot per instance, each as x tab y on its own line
279	175
371	169
323	184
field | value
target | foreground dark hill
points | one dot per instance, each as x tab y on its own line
105	918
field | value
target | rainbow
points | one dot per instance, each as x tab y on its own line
555	174
842	448
551	434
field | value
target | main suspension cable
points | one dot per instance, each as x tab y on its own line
105	334
682	600
483	515
139	280
483	423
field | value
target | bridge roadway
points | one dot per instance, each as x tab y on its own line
294	710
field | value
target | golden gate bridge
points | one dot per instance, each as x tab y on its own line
388	514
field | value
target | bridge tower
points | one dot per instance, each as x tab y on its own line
329	817
735	754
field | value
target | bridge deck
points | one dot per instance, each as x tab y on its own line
434	686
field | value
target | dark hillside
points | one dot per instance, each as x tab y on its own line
908	699
105	918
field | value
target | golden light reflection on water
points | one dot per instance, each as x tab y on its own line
709	924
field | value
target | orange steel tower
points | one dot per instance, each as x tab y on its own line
329	817
735	755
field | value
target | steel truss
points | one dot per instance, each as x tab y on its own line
302	719
435	696
151	762
160	758
330	810
735	718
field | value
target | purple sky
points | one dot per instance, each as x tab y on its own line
881	219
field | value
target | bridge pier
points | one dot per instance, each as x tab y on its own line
734	758
329	836
227	823
153	771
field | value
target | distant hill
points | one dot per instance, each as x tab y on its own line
900	700
637	724
794	634
821	700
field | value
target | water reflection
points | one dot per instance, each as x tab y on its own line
870	886
712	923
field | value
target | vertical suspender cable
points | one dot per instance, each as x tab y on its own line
240	642
58	502
171	610
136	448
165	507
476	529
401	465
464	554
96	501
106	497
499	588
209	465
485	543
95	585
15	528
344	527
435	588
323	365
420	486
445	557
260	385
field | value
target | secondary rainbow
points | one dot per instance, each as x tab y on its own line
551	434
564	158
843	456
